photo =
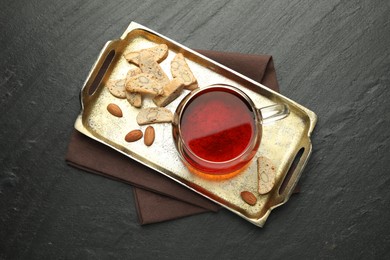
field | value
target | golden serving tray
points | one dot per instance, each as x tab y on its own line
286	143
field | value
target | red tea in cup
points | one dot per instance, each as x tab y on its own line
217	130
217	126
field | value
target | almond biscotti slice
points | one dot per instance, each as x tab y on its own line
159	52
148	65
133	72
153	115
181	70
266	175
171	91
117	87
135	99
144	84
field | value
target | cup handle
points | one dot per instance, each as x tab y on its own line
274	113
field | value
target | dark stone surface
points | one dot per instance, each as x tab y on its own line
331	56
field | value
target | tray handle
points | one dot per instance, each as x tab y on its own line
294	171
99	69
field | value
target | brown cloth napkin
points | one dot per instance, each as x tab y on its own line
157	197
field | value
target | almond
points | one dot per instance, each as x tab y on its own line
114	110
149	136
249	197
133	136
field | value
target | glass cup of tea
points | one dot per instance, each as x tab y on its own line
217	129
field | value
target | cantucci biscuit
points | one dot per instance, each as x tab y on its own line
149	65
133	72
117	88
266	174
135	99
153	115
181	70
159	52
132	57
143	83
171	91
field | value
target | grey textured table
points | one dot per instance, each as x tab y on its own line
331	56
